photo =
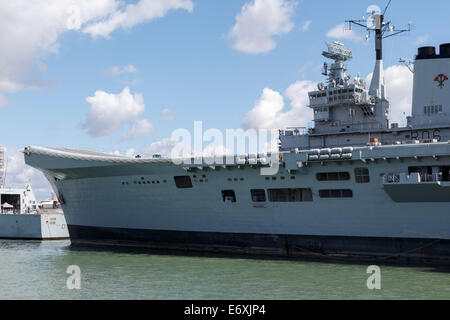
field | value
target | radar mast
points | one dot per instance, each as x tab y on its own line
382	30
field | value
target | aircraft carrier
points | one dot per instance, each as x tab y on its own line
353	186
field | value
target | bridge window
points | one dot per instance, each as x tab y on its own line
183	182
228	196
362	175
339	193
258	195
289	195
333	176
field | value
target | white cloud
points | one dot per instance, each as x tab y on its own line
110	111
421	40
165	147
141	128
259	22
268	111
399	83
339	32
133	14
119	70
162	147
18	175
306	25
129	153
168	115
29	30
215	149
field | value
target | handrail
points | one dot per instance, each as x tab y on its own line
395	178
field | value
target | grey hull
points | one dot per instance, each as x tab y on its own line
412	250
137	202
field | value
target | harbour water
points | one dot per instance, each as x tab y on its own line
38	270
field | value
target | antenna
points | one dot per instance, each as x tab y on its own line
408	64
376	23
387	6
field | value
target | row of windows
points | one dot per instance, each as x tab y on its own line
183	182
274	195
143	181
432	109
318	95
333	176
281	178
343	97
340	193
335	92
289	195
361	176
293	194
320	109
345	91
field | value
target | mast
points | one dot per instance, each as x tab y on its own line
376	23
377	85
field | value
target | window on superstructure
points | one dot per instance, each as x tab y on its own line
333	176
183	182
289	195
228	196
362	175
336	193
258	195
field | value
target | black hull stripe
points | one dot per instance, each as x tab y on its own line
292	246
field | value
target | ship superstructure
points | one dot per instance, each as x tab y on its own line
347	113
344	104
352	186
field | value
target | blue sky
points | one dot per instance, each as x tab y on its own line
184	61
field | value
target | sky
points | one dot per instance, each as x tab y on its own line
121	76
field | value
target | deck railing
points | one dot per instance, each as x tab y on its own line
435	177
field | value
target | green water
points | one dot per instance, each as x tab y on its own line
37	270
